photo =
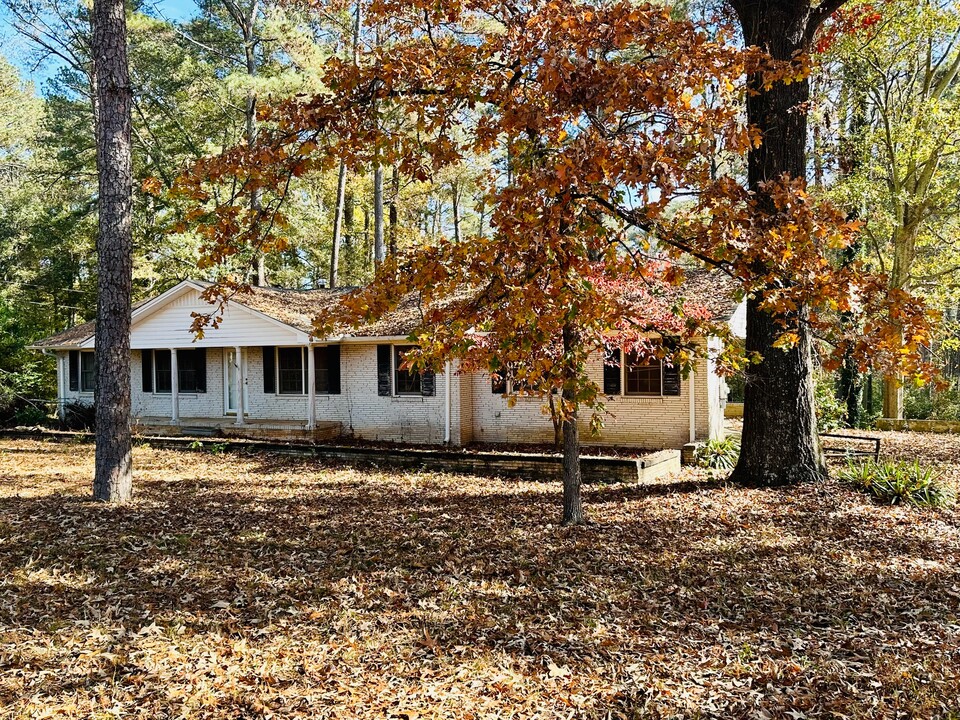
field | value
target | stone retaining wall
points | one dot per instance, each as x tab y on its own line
931	426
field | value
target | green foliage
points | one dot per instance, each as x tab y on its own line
830	411
899	482
78	416
719	453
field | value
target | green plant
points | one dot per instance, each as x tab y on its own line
719	453
899	482
830	411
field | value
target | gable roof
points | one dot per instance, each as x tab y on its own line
297	308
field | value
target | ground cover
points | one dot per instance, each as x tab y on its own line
261	586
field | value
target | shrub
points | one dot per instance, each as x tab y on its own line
78	416
719	454
830	411
899	482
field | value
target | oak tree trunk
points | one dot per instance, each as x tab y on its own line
779	444
113	466
572	502
338	225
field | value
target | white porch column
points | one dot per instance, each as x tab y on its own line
238	358
63	368
311	389
692	382
174	388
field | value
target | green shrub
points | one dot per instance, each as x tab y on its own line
830	410
899	482
719	454
78	416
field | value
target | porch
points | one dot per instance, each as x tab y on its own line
252	428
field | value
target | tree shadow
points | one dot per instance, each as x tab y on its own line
678	567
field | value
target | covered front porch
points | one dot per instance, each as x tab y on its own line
257	429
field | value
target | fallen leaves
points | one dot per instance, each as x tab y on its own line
247	587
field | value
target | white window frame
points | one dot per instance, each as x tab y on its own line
623	379
80	386
394	368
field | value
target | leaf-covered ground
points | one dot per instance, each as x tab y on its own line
245	587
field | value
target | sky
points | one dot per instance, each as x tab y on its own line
19	52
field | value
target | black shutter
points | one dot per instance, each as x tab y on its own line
383	370
269	369
333	369
671	379
200	369
74	370
611	371
146	370
428	383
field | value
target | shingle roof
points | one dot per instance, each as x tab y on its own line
297	308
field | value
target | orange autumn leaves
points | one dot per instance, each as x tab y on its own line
624	132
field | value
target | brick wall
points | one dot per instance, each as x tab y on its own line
476	413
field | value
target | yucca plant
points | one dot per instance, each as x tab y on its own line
899	482
719	454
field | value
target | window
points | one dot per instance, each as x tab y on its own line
406	382
163	370
643	376
286	370
191	371
88	372
290	371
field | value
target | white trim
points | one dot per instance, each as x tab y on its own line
311	389
693	406
174	388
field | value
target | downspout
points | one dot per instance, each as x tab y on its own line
693	407
446	403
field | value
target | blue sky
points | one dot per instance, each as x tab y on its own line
19	52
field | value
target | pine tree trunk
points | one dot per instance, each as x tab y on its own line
393	211
379	246
113	465
338	225
779	444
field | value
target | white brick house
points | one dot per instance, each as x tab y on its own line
351	385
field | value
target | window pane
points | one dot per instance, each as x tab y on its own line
290	370
642	376
164	378
406	382
187	370
88	372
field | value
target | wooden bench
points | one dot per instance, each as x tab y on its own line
850	446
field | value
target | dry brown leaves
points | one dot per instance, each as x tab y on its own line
242	587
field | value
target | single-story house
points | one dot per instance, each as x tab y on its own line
261	373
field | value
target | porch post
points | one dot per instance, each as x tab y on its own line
174	388
63	368
238	357
311	389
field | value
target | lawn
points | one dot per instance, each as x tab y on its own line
245	587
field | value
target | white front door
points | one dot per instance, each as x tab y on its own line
232	372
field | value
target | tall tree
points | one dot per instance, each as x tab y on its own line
113	479
779	442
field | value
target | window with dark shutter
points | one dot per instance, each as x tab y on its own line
643	375
146	370
192	370
383	371
498	382
406	382
88	372
269	369
163	374
74	370
290	370
611	371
